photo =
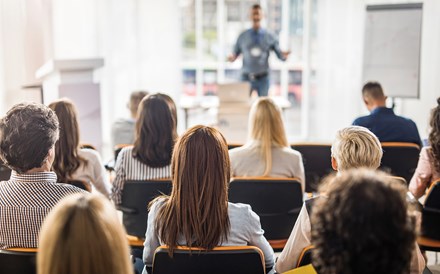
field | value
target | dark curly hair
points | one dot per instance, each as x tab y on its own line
434	135
362	226
27	133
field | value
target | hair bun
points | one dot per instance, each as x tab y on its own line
438	101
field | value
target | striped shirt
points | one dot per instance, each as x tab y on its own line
129	168
25	200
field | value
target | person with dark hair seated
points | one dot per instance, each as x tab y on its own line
382	121
28	134
197	213
150	156
362	225
428	167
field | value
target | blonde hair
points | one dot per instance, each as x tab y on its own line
355	147
266	126
83	235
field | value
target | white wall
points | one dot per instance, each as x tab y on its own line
340	38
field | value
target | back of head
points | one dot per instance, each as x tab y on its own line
267	128
135	99
27	133
356	146
66	149
198	206
155	131
434	135
373	91
362	225
83	235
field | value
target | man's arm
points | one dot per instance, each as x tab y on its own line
237	50
282	55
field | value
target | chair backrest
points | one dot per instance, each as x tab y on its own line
400	159
136	196
5	172
431	212
234	145
305	257
18	261
80	184
276	200
317	162
220	260
118	149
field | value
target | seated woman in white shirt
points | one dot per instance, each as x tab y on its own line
150	156
72	162
354	147
201	174
267	152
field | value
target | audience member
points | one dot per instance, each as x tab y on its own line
83	235
382	121
267	152
201	174
353	147
72	162
28	134
150	157
123	128
363	225
428	168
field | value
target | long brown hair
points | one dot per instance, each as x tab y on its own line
434	135
198	206
67	159
155	131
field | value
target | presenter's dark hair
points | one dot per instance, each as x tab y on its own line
67	159
256	7
362	226
155	131
27	133
434	135
197	208
373	90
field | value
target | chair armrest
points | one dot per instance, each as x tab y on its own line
127	210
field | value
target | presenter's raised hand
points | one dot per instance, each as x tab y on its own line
232	58
286	54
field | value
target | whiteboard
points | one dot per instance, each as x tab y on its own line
392	48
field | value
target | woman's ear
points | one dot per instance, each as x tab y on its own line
334	164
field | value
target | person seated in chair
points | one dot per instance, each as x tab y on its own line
382	121
363	225
123	128
197	213
353	147
28	134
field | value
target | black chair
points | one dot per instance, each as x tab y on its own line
220	260
277	201
317	162
5	172
18	261
234	145
431	216
305	257
136	196
400	159
80	184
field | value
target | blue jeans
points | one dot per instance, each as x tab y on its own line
260	84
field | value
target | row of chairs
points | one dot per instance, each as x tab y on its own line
227	259
277	201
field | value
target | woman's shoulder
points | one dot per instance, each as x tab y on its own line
89	154
238	209
289	152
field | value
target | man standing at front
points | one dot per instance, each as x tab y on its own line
382	121
28	134
255	44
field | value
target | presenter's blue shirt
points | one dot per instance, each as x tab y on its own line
389	127
255	45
